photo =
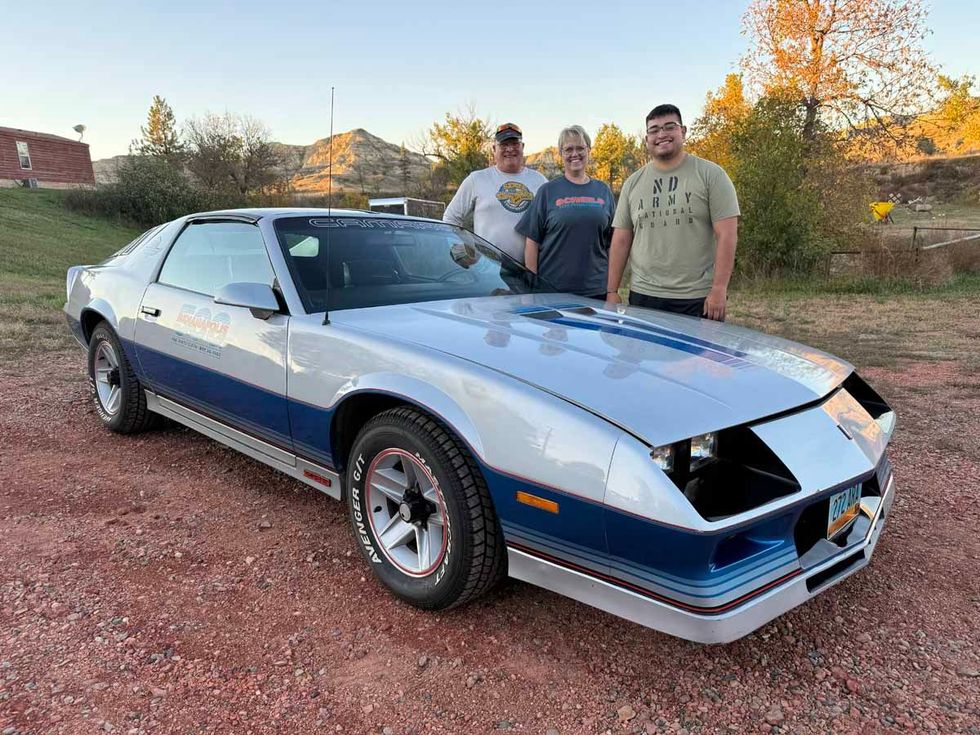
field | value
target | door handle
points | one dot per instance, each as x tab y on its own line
150	311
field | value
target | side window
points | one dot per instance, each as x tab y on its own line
131	246
24	155
209	255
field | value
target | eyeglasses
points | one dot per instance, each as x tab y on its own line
666	128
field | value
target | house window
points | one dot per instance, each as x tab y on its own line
24	155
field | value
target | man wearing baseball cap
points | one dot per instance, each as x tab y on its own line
497	196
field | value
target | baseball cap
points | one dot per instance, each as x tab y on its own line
507	131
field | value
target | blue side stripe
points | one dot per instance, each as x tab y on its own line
582	555
235	421
258	409
715	591
764	561
698	589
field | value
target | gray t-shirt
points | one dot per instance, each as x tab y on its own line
572	224
671	214
497	201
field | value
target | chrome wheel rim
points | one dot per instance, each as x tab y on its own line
407	512
106	369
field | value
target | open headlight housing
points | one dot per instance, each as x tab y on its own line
704	448
688	456
723	473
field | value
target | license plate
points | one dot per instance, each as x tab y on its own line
844	508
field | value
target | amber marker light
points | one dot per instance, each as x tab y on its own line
535	502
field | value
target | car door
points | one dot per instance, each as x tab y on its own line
218	360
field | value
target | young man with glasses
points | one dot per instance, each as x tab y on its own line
677	225
498	196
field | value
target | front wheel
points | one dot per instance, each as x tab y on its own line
421	511
117	395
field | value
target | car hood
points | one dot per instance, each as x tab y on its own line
660	376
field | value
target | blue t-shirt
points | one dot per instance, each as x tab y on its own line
572	223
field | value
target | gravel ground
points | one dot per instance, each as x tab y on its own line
164	584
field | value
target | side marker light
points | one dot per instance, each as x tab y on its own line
325	481
535	502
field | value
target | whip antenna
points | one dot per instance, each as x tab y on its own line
330	159
326	313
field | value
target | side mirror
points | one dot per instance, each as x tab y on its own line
256	297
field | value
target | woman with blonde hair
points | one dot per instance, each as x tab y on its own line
568	226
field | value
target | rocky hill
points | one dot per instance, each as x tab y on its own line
362	162
548	162
943	179
106	169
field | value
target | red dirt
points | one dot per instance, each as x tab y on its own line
140	591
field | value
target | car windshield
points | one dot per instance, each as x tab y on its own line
352	262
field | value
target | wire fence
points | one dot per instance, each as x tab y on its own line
927	246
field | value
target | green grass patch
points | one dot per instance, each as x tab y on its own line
962	284
39	240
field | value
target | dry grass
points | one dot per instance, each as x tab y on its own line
870	331
895	252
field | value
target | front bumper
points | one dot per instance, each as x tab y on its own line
714	628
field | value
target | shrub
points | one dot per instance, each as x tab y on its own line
800	198
778	232
149	191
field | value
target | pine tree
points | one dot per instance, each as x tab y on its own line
615	155
159	136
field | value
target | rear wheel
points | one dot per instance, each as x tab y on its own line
421	511
117	395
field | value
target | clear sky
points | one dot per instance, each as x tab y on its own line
396	66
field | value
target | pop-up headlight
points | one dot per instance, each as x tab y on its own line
704	448
683	458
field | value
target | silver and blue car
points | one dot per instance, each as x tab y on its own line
694	477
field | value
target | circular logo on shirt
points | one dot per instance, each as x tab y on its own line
514	196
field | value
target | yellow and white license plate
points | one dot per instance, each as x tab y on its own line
844	507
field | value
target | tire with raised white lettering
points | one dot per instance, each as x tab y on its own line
421	511
117	395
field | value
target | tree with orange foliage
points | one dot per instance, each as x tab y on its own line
711	134
858	63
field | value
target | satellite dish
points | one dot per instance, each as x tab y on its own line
80	129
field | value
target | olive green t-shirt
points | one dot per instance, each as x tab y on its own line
671	214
